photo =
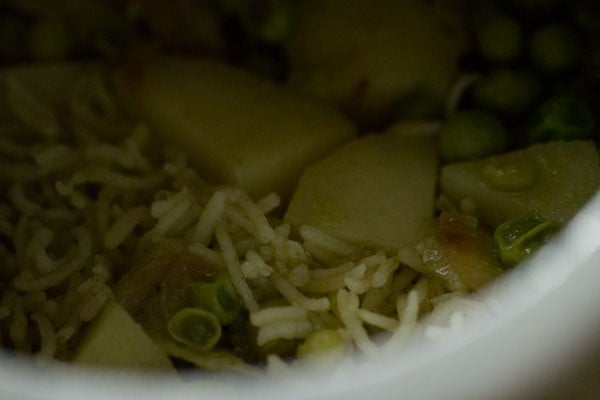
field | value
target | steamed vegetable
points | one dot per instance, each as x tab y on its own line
238	129
196	328
181	301
554	179
218	297
366	56
376	190
116	340
517	239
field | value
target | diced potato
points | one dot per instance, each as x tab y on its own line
116	340
554	179
376	190
366	55
238	128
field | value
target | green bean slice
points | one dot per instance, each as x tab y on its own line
196	328
517	239
218	297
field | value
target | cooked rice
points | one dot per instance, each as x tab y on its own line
83	185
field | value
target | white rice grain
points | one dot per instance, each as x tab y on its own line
124	226
299	275
325	241
211	214
282	313
254	266
263	230
31	110
408	312
348	306
283	330
41	239
233	267
236	216
54	157
411	258
358	286
62	272
16	195
117	180
378	320
19	325
174	208
47	333
208	255
269	203
383	273
294	296
93	306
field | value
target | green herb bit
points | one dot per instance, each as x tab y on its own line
218	297
196	328
517	239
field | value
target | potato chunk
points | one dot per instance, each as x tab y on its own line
376	190
239	129
366	56
116	340
554	179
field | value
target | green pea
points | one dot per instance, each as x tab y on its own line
500	39
196	328
510	175
517	239
471	134
564	117
554	49
218	297
507	92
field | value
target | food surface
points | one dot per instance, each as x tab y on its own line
282	184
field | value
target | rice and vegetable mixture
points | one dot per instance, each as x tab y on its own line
85	193
72	201
161	210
